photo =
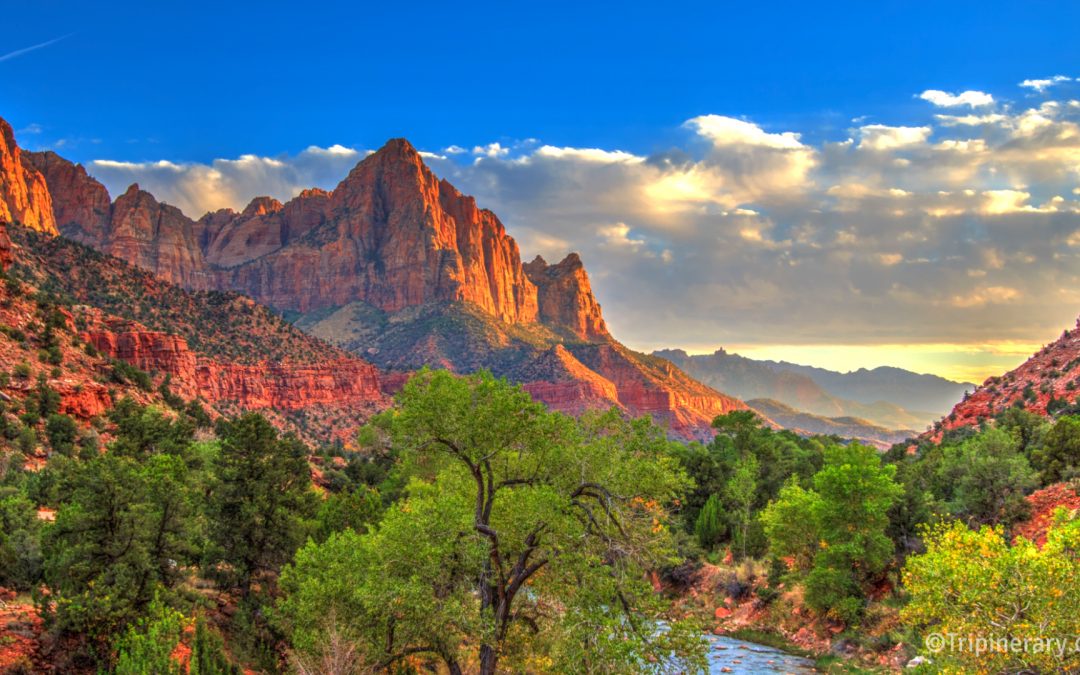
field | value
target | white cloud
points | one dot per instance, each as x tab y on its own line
727	131
490	150
882	137
970	98
229	183
588	154
949	228
1044	84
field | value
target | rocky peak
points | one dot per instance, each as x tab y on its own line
80	203
155	236
24	195
565	297
261	206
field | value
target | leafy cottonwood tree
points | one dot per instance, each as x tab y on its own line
790	526
523	542
837	530
852	515
974	584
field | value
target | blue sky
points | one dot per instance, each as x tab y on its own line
851	185
200	80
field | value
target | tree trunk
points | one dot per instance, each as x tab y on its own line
488	660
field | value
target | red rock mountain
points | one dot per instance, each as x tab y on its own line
398	266
1046	383
565	297
221	349
24	196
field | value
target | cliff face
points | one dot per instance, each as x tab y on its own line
390	235
24	196
344	381
557	379
393	264
566	299
1045	383
156	237
78	201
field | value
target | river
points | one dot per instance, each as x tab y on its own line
728	655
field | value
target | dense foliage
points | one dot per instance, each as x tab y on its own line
527	534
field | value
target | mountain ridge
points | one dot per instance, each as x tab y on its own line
398	266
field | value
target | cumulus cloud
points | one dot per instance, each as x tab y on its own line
882	137
1044	84
970	98
950	228
196	188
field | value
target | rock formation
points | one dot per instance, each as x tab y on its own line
393	264
78	201
565	297
24	196
280	386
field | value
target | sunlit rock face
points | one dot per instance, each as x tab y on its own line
24	195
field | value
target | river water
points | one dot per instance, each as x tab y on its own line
745	658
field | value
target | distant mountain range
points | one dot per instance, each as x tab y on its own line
886	397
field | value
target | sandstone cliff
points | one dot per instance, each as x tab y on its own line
390	235
566	299
395	265
345	381
24	196
78	201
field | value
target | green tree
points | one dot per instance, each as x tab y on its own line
974	584
790	525
741	490
709	525
146	646
524	537
208	652
988	476
356	510
260	501
20	541
739	425
125	529
96	562
1059	457
62	433
852	516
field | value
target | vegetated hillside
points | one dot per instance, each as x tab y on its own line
844	427
1048	383
226	326
394	265
54	386
808	389
220	348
